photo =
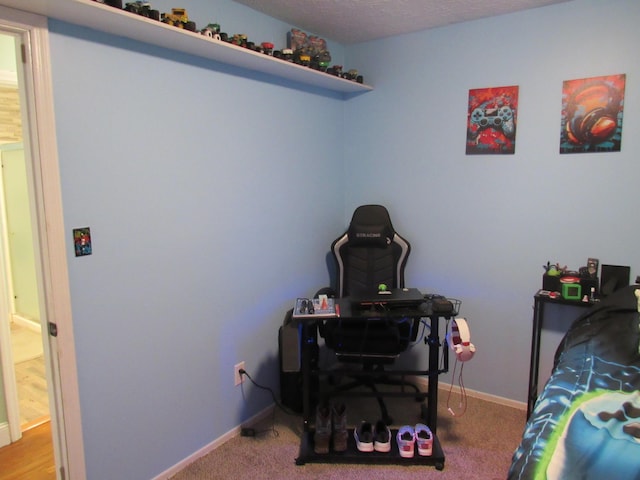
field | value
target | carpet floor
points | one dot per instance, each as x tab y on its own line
477	445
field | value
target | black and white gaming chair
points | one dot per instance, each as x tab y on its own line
368	254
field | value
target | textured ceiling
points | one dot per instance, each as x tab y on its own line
355	21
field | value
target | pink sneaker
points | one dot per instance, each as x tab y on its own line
406	440
424	439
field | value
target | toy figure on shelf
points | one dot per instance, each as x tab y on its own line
141	8
311	51
287	54
179	18
296	39
317	45
335	70
321	61
308	50
111	3
353	75
212	31
302	58
239	39
267	48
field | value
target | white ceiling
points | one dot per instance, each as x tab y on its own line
355	21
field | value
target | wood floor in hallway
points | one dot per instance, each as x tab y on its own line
30	457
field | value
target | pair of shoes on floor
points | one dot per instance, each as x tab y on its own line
373	437
408	437
331	424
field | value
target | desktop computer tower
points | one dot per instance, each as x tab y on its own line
290	359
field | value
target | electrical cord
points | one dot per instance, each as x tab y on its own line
250	432
463	392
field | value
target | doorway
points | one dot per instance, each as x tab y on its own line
19	282
16	238
52	295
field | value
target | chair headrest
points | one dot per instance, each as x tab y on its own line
370	226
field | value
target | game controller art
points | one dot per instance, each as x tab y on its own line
501	118
491	125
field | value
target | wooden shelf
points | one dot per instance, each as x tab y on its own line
119	22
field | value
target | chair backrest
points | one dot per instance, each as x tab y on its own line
369	253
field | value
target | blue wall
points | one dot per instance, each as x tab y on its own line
212	194
483	226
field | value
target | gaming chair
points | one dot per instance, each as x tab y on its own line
368	254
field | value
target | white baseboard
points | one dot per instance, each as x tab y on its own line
5	434
26	322
507	402
234	432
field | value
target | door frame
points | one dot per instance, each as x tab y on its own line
51	251
7	300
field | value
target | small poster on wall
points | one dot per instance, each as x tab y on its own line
592	114
492	120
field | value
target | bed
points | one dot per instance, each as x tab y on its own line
586	422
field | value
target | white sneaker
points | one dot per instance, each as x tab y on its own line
424	439
364	437
406	441
381	437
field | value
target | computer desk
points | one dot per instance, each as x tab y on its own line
539	303
309	338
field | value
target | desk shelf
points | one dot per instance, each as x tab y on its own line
353	455
310	370
116	21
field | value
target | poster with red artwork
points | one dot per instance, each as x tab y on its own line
492	120
592	111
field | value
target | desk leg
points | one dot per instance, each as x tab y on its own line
538	314
309	345
432	394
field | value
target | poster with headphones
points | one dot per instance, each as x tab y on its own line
592	111
459	340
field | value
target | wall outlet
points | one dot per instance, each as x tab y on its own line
238	379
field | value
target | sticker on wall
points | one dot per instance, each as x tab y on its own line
82	241
592	114
492	121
